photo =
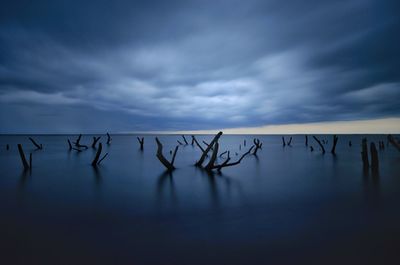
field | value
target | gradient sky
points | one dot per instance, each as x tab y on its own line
95	66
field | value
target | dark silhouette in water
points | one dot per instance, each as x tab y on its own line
95	140
169	165
320	144
38	146
141	142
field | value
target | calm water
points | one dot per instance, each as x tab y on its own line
286	206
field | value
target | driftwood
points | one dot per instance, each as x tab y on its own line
23	158
257	144
205	152
223	153
78	144
364	153
161	157
69	144
226	162
141	142
290	142
184	139
95	140
283	141
38	146
374	158
197	143
394	142
320	144
108	138
96	161
306	140
335	140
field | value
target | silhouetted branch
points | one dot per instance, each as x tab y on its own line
38	146
204	155
283	141
257	144
95	140
163	160
223	153
141	142
184	139
320	144
108	138
290	142
98	163
179	142
306	140
197	143
226	164
192	143
335	140
211	163
69	144
23	158
77	142
98	153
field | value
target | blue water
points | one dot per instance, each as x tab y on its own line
286	206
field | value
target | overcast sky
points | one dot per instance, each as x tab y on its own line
95	66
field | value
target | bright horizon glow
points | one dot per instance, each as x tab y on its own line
372	126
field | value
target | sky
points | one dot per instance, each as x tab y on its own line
126	66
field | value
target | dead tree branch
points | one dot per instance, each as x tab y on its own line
374	158
38	146
335	140
141	142
23	158
227	164
320	144
290	142
108	138
184	139
364	153
161	157
257	144
205	152
283	141
197	143
306	140
95	140
97	157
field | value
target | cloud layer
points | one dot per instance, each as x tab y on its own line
67	66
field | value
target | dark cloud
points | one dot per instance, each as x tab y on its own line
170	65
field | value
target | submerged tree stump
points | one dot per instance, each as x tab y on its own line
168	165
38	146
290	142
258	145
306	140
184	139
320	144
108	139
205	152
283	141
96	161
95	140
335	140
22	156
141	142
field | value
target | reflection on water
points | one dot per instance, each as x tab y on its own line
274	207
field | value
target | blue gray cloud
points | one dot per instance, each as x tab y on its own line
67	66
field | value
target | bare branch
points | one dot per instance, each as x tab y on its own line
320	144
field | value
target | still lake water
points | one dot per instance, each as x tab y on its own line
286	206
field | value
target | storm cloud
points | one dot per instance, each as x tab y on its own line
90	66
